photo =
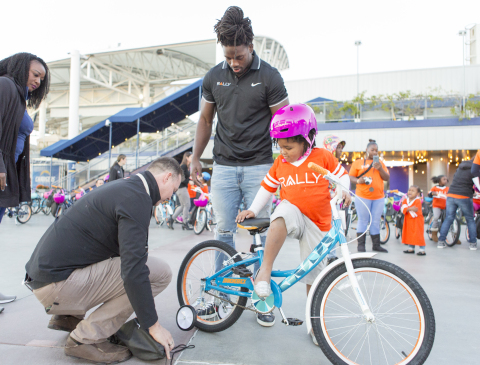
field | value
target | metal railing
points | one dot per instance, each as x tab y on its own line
99	167
393	109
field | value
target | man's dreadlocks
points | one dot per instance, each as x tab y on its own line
233	29
18	68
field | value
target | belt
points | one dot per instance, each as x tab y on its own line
33	284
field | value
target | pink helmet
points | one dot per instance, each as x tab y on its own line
293	120
59	198
200	202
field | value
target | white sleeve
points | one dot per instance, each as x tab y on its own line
261	199
345	180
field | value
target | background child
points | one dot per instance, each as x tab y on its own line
439	195
413	221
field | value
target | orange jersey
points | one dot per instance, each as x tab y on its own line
191	192
305	188
363	190
205	188
413	226
440	200
476	161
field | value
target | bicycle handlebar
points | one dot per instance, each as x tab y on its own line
321	170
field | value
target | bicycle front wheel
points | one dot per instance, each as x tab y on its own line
200	222
24	213
384	230
404	327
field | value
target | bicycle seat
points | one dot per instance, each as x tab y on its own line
254	223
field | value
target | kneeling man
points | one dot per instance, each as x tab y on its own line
97	253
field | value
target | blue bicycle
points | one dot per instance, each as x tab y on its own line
361	310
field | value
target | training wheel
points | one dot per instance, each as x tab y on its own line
186	317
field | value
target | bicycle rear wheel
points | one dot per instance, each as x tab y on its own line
24	213
453	233
404	327
201	262
384	230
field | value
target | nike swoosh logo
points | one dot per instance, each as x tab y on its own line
255	84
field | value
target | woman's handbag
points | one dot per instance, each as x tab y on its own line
139	341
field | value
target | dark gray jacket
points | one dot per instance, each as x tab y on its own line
462	183
116	172
12	109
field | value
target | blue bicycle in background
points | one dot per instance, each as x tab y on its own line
361	310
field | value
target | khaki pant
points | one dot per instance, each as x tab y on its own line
100	283
300	227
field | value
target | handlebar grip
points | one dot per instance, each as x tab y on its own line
321	170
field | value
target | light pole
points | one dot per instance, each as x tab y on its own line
463	33
358	43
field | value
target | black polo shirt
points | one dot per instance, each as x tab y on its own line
243	111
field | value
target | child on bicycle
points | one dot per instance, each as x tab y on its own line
304	212
413	221
439	195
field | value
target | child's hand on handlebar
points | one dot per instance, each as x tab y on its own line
347	199
244	214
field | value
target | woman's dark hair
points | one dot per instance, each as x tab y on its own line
18	68
185	156
437	179
233	29
300	139
120	157
371	142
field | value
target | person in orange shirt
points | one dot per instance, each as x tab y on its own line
412	234
369	174
439	195
304	212
191	193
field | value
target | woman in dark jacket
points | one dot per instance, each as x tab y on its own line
182	194
116	171
24	80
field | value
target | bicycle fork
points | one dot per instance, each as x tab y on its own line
355	286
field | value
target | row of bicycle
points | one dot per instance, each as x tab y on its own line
54	201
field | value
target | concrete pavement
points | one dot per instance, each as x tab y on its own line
449	276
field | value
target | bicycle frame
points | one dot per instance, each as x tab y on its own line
334	236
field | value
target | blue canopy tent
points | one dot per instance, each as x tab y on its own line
127	123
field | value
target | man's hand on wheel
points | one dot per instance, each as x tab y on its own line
196	170
163	337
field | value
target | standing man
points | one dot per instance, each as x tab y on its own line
117	171
460	195
245	92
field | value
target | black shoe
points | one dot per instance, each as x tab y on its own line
266	320
186	227
331	259
376	246
207	312
170	223
361	242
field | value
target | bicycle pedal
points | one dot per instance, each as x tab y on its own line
242	271
293	322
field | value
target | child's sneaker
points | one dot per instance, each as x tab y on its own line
207	312
441	244
473	246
